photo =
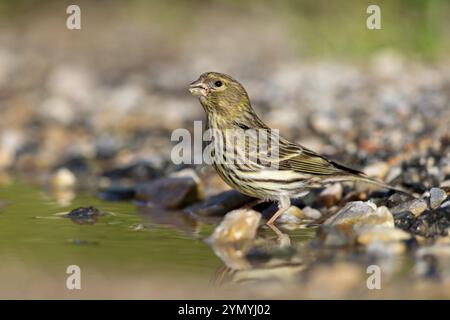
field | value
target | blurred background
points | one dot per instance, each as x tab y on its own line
87	114
118	85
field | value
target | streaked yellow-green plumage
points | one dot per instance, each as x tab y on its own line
298	169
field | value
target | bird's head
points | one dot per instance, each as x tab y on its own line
220	93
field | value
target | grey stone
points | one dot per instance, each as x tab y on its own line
368	235
437	196
220	204
416	207
358	214
169	193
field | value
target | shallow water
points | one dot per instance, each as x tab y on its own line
35	236
32	230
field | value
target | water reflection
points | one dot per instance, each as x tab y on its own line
262	259
176	219
63	197
249	250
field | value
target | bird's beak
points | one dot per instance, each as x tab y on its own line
198	88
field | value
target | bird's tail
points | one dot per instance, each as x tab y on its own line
361	177
366	179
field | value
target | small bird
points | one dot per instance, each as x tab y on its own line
291	174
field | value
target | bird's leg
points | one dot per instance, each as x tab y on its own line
283	238
283	204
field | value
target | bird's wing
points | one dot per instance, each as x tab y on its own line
298	158
285	155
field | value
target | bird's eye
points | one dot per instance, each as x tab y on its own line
218	83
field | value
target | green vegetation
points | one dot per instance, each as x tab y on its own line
315	28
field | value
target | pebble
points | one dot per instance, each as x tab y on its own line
358	214
136	172
293	215
437	196
432	223
396	199
237	225
220	204
377	169
445	204
331	195
63	178
312	213
323	123
368	235
169	193
84	215
57	109
416	207
10	142
392	174
117	193
190	173
6	158
404	220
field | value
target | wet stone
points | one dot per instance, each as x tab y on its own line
404	220
293	215
369	235
169	193
418	174
117	193
396	199
445	185
432	223
76	164
238	225
437	196
416	207
312	213
378	169
331	195
220	204
137	172
445	204
84	215
358	214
